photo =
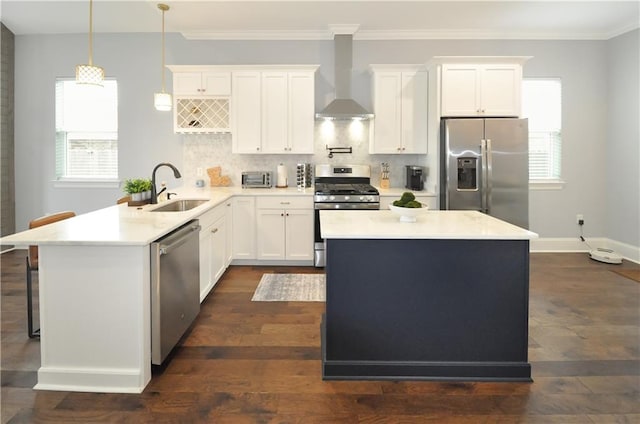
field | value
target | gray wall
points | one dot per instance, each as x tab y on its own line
623	139
146	136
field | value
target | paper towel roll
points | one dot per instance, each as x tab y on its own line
282	176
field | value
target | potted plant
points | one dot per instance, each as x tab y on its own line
138	188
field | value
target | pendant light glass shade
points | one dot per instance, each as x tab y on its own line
162	101
88	73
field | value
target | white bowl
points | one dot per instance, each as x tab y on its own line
408	214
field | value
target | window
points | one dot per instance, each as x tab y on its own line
86	131
542	104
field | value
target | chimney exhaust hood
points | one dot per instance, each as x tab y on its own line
343	107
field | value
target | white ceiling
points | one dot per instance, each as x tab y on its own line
306	19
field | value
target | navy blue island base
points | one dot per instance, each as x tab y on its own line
426	309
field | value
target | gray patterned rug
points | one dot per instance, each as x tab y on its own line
290	288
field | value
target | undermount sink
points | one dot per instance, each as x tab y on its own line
179	205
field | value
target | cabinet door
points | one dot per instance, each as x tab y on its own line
299	237
216	83
245	115
206	276
460	90
187	83
270	231
500	90
301	112
229	222
388	112
218	249
243	227
414	112
274	112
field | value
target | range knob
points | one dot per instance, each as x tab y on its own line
346	197
332	197
362	198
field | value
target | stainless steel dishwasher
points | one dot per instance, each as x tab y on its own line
175	288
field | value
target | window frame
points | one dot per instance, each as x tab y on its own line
64	181
555	183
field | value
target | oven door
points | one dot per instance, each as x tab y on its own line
318	243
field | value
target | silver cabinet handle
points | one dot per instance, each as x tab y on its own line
285	203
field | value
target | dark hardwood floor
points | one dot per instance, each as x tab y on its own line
259	362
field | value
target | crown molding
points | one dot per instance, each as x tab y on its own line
391	35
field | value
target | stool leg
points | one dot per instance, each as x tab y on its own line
31	332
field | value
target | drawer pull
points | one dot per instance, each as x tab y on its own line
215	230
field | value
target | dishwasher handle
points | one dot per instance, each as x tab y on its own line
178	238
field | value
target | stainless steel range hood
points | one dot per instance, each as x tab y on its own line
343	107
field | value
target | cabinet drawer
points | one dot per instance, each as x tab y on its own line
209	217
285	202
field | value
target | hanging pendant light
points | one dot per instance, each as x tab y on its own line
88	73
162	100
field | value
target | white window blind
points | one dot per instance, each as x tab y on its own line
542	104
86	130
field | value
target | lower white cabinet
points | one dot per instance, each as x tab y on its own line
213	248
229	219
243	227
284	228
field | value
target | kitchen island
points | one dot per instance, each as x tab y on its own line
443	298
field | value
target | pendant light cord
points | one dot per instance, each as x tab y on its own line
163	10
91	32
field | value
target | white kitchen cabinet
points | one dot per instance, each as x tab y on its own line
273	111
201	97
481	89
400	99
229	220
284	227
202	83
213	248
430	200
243	227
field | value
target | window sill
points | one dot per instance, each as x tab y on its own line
546	184
86	183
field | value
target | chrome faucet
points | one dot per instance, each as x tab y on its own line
154	194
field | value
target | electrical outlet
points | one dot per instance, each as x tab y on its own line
580	219
199	172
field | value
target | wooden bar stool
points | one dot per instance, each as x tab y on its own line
32	264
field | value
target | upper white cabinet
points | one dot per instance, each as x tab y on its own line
201	97
202	83
400	100
470	89
273	110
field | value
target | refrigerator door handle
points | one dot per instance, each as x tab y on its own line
483	176
489	173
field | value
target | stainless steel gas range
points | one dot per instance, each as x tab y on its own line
341	187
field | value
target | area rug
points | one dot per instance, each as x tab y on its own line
290	288
632	274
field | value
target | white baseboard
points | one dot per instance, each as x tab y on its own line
627	251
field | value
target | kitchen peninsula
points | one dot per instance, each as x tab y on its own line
94	290
443	298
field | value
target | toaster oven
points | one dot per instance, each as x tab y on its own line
256	179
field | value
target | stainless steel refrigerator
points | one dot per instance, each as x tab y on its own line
485	167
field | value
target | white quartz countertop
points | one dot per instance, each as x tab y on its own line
383	224
125	225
